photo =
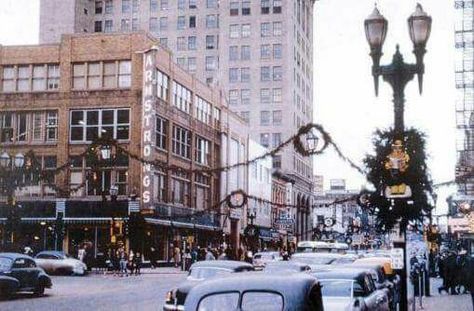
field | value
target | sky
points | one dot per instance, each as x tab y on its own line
344	99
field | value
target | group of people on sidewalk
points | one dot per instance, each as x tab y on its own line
121	262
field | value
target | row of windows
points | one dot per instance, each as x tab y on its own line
87	125
189	64
274	117
191	43
267	29
267	73
134	5
27	78
29	127
275	139
266	52
246	7
267	96
97	75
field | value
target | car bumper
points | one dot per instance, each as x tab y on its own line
171	307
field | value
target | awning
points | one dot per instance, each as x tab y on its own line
178	224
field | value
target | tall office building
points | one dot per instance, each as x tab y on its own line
464	21
259	52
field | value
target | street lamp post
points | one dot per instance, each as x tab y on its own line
398	74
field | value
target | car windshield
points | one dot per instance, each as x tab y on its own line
310	260
202	273
336	288
5	264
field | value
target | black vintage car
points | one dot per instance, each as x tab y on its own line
199	272
257	292
19	273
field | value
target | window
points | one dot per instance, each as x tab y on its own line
23	80
210	63
39	77
181	43
181	142
125	25
265	30
265	51
276	161
245	74
159	187
245	52
277	73
98	7
192	64
230	300
134	24
108	26
264	117
202	191
203	110
181	61
245	7
216	116
125	74
233	52
191	42
153	25
78	72
181	22
164	42
37	126
271	301
125	6
153	5
109	6
6	127
51	126
163	23
181	97
276	6
234	8
86	125
277	51
211	21
233	97
161	129
233	74
245	30
245	96
211	4
234	31
162	85
277	117
93	75
277	95
98	26
192	21
180	189
21	127
8	79
202	154
164	5
265	139
265	73
210	42
245	115
277	28
265	96
265	6
192	4
135	6
181	4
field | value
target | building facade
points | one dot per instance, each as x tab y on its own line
260	53
57	99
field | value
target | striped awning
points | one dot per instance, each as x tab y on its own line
169	223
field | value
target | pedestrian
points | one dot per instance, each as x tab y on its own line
131	262
209	255
187	259
153	257
123	260
176	256
137	263
222	256
194	255
81	253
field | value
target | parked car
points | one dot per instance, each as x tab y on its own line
262	258
56	262
19	273
257	292
199	272
315	258
345	259
351	289
313	247
286	266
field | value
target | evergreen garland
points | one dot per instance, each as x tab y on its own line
389	212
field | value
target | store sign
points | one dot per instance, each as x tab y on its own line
148	123
397	258
284	224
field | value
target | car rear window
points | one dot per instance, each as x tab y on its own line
5	263
216	301
262	301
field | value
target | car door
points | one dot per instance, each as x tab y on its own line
19	272
375	299
32	271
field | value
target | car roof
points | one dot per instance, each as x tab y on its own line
257	281
14	255
229	264
346	273
287	264
51	253
324	255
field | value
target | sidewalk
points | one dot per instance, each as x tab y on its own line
444	302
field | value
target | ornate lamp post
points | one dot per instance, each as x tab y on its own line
398	74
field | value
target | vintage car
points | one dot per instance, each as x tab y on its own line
313	247
56	262
286	266
19	273
351	289
262	258
257	292
316	258
199	272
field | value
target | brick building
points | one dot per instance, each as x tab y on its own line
55	99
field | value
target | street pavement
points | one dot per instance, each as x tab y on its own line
444	302
102	292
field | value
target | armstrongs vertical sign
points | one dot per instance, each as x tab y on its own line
148	108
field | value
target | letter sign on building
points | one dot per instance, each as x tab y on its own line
147	133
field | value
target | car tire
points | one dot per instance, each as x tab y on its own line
39	291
